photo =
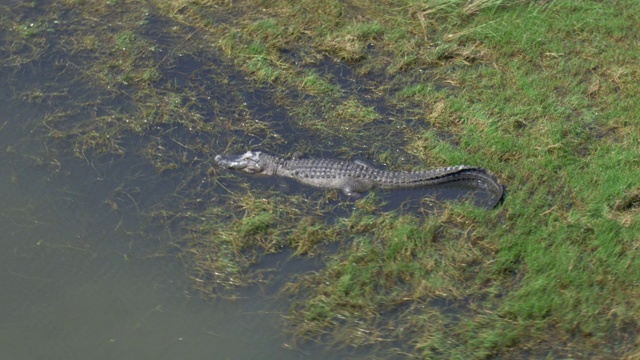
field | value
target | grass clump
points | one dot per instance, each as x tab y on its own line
353	112
392	271
224	246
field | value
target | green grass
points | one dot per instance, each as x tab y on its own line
542	93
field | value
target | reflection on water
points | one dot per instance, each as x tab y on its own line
82	280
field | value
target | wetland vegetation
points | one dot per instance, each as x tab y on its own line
543	93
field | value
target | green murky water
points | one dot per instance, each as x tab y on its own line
84	273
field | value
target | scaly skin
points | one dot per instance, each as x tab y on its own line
356	177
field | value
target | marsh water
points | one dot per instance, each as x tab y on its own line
84	280
86	273
80	280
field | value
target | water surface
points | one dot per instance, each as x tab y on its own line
84	279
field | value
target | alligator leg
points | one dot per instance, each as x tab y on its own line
349	192
365	164
355	188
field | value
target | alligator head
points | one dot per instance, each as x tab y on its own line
248	162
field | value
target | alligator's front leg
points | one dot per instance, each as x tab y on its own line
349	192
365	164
355	188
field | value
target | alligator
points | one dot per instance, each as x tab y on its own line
356	177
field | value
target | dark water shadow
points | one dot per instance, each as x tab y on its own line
426	201
421	200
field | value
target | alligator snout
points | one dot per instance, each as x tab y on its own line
230	161
248	162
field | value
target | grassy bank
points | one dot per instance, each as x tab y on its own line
543	93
